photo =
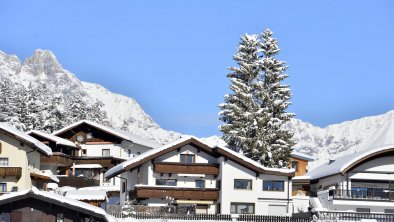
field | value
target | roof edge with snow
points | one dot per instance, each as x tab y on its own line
230	154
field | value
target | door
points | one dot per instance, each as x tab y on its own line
16	216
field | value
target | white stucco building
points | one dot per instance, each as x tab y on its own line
358	182
215	179
20	161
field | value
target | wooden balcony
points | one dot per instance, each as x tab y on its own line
77	182
175	192
187	168
57	158
10	171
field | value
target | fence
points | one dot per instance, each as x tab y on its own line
353	216
214	217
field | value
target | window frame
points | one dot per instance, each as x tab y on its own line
166	184
251	184
59	217
3	185
272	185
104	150
185	157
241	203
7	161
203	181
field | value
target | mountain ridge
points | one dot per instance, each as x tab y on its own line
124	112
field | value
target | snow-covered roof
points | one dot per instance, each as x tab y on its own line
105	188
344	163
256	164
87	166
86	194
60	200
118	169
116	132
46	173
53	138
42	148
302	156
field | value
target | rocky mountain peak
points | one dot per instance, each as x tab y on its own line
43	62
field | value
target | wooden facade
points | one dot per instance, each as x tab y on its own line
301	168
90	135
10	171
187	168
175	192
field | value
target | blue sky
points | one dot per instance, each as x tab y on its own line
172	56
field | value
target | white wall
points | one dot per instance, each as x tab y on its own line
18	157
262	199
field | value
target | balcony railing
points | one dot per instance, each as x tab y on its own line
367	194
78	182
10	171
187	168
175	192
57	158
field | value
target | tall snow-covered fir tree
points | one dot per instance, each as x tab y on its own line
254	114
238	111
273	96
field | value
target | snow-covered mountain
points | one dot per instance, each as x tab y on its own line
42	68
337	139
343	138
124	112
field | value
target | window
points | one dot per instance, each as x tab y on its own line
363	210
200	183
243	184
106	152
3	187
242	208
188	158
0	147
14	189
83	152
3	161
389	211
270	185
59	217
123	187
166	182
129	152
294	164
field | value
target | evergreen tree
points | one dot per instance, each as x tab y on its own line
56	114
273	97
255	112
237	112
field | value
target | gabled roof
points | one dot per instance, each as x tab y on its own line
52	138
58	200
345	163
115	132
23	137
222	151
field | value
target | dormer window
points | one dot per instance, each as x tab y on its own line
187	158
